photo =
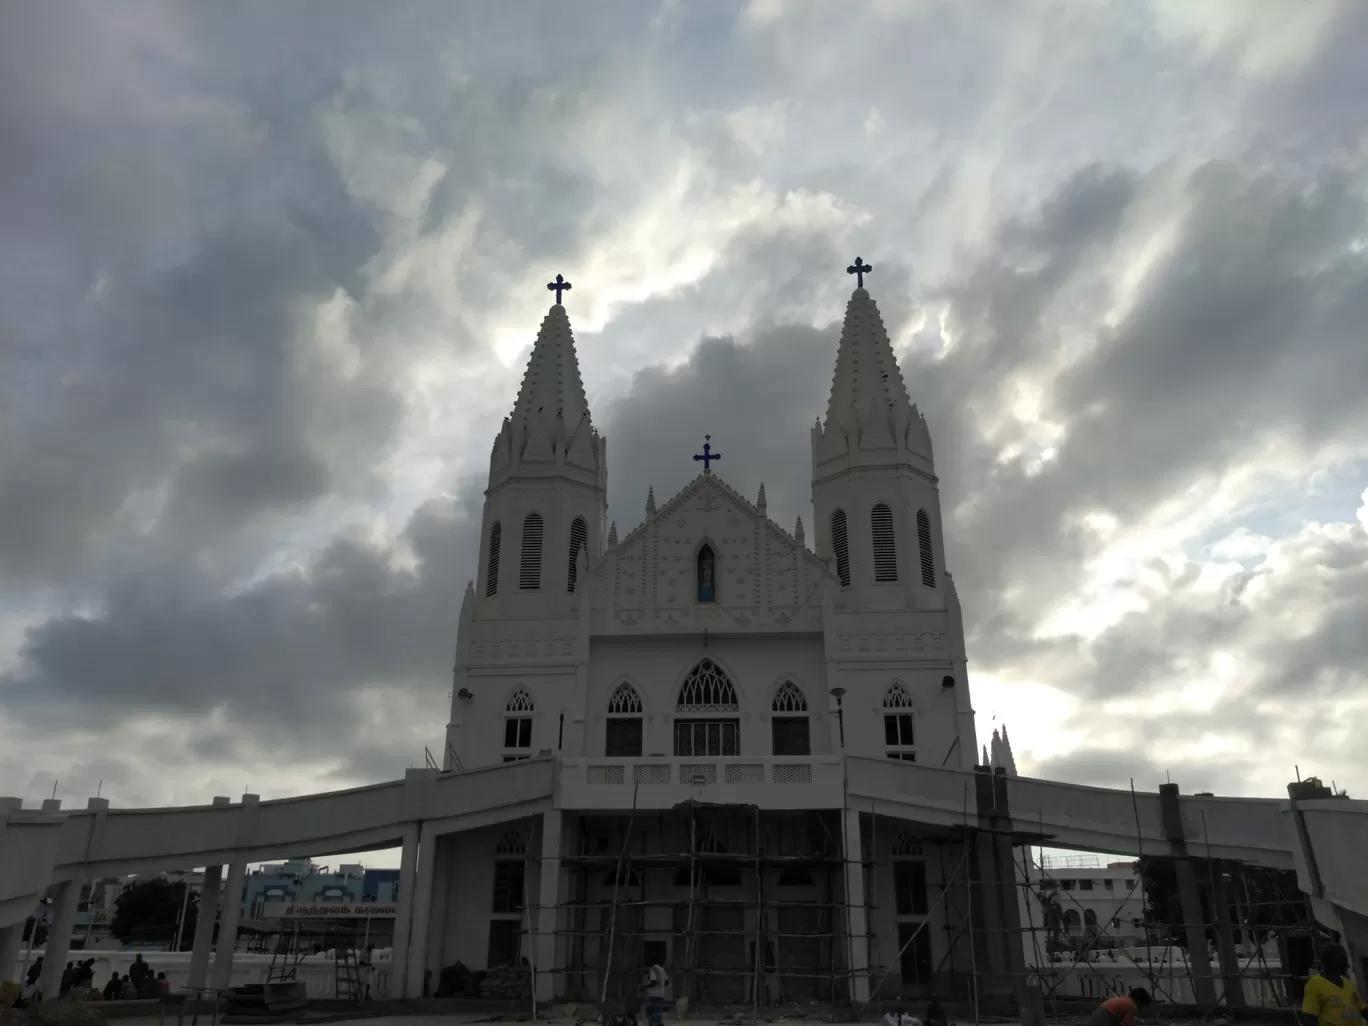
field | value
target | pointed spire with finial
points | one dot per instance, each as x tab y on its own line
760	502
612	533
798	530
650	501
985	756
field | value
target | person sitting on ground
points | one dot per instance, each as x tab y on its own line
85	975
113	990
163	985
68	978
1331	999
1120	1010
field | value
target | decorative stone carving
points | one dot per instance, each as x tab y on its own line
923	642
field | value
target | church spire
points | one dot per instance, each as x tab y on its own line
870	419
550	425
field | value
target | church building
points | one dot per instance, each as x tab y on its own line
702	682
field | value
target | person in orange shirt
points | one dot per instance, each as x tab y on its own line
1120	1010
1331	999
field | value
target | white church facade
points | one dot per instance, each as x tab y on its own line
700	680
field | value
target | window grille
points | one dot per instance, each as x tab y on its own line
529	574
579	539
840	547
492	568
885	548
928	561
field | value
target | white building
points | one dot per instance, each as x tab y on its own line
708	632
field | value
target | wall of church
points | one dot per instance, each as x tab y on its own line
475	910
907	907
756	667
935	739
539	696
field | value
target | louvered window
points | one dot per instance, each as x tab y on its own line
885	551
529	574
928	561
840	547
579	538
492	567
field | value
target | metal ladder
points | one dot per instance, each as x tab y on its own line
347	982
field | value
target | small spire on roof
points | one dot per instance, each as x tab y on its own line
612	533
760	503
798	530
650	500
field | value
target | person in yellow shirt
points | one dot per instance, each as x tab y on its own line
1331	998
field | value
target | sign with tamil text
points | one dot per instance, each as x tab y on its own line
329	910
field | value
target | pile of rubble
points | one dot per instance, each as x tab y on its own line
507	981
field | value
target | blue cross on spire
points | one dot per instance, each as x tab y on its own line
558	286
859	268
708	455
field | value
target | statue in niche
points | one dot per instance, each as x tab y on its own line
707	574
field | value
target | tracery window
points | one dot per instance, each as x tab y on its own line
518	725
899	741
790	729
707	689
623	728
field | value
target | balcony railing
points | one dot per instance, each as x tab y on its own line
770	782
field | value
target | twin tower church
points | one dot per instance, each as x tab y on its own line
708	629
702	685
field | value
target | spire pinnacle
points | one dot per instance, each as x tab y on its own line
612	533
867	372
798	530
552	386
760	502
650	501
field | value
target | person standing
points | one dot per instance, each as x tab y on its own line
1331	999
656	982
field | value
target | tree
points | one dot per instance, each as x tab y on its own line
146	912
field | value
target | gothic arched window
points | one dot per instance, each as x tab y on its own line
790	731
706	692
707	575
928	561
899	742
529	573
840	547
492	566
579	539
623	730
885	549
518	725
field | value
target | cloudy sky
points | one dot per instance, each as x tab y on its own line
270	273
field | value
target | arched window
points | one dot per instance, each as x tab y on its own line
622	737
789	727
1071	920
790	698
706	691
579	539
492	566
899	741
707	575
928	561
840	547
529	574
885	551
518	725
